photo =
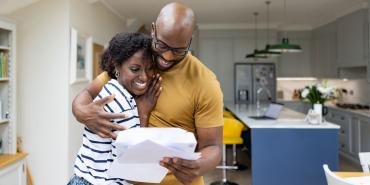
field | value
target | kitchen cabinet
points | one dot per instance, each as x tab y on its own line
296	64
324	51
364	134
354	134
352	39
13	169
343	120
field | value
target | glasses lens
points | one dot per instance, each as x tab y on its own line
179	52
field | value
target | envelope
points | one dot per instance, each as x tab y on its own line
141	149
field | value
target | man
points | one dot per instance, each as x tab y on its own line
191	97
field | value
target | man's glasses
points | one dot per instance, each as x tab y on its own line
163	47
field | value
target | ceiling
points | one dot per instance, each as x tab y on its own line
8	6
301	14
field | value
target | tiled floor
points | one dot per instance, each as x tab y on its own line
244	177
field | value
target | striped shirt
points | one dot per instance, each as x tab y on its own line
97	154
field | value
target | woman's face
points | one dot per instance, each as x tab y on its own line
135	73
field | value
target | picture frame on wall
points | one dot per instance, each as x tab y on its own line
80	57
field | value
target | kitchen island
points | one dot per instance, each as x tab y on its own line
288	151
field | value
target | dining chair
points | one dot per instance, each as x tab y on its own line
333	179
365	161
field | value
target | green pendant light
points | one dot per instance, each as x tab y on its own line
285	46
255	55
266	52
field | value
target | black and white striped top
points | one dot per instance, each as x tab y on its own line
97	154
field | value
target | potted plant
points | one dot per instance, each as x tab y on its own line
317	95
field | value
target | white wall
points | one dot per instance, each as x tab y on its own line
95	20
42	74
359	87
49	131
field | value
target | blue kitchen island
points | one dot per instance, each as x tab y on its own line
288	151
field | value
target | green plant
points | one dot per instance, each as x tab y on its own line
318	93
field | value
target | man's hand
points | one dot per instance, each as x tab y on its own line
146	102
98	120
185	171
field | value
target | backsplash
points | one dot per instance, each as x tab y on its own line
358	91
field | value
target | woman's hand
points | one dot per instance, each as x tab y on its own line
185	171
146	102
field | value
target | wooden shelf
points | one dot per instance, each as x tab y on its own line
3	121
8	159
6	79
4	48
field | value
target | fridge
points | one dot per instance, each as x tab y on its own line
254	81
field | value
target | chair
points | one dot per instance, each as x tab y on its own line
228	114
231	136
365	161
333	179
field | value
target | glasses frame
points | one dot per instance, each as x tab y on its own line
174	51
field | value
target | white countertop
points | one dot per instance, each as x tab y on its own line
287	119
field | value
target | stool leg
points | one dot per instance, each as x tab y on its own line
224	180
235	163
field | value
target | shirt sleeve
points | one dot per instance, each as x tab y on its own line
209	105
103	77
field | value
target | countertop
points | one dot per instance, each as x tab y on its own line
365	113
8	159
287	119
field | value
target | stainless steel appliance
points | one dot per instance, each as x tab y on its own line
254	83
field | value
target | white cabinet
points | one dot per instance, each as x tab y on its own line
14	174
8	88
352	37
12	165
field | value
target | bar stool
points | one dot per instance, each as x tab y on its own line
231	136
228	114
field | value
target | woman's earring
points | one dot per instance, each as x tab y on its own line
116	73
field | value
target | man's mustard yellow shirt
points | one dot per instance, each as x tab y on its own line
191	98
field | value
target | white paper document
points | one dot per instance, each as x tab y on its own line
365	180
141	149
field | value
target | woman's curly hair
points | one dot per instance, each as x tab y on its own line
122	47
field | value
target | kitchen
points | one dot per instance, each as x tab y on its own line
333	35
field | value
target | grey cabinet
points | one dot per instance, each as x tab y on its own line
354	134
324	55
343	120
355	139
296	64
352	39
364	134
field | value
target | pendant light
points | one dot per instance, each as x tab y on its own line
255	52
266	52
285	46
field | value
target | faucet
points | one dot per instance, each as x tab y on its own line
259	91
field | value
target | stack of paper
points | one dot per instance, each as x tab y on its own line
141	149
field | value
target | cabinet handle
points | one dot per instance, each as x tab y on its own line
342	145
342	131
342	118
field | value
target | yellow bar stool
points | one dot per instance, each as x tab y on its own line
228	114
231	136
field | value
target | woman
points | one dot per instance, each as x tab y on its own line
128	62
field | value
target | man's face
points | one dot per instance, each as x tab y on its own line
167	56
